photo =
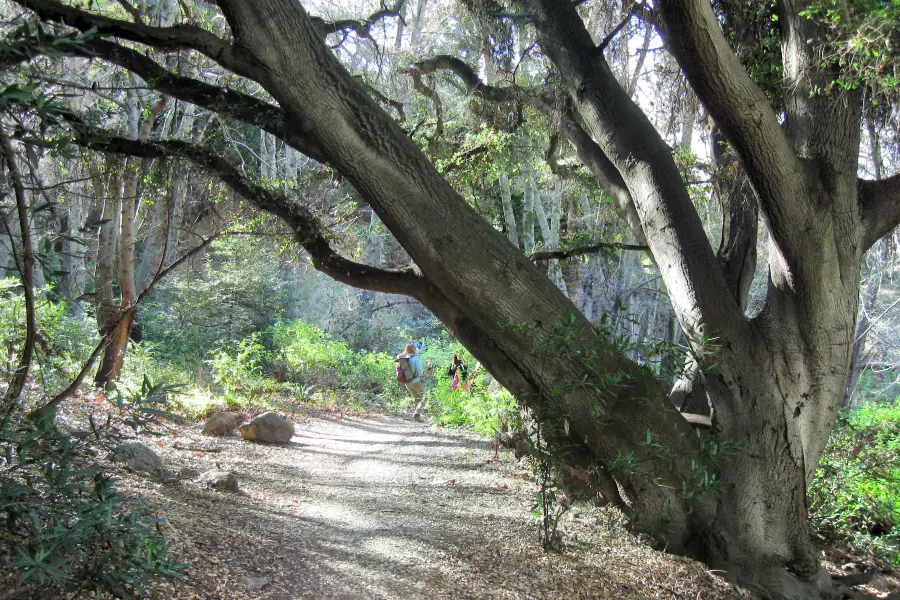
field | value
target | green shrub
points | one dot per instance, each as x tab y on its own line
855	496
64	342
71	530
487	409
305	355
238	371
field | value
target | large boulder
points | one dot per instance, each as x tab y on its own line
221	423
224	481
268	427
137	457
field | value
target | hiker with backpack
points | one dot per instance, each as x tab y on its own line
409	373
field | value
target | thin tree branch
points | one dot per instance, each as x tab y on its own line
305	225
602	46
592	249
221	100
178	37
26	270
361	28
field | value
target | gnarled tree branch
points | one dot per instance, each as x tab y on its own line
221	100
305	225
361	28
592	249
178	37
879	202
742	111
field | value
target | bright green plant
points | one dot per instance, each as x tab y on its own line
855	496
238	370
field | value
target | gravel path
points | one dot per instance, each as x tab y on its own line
382	507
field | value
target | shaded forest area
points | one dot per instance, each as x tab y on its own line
661	236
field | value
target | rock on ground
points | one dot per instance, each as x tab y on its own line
268	427
221	423
137	457
224	481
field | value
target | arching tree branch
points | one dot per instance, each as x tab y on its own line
592	249
470	79
305	225
179	37
585	147
361	28
880	205
221	100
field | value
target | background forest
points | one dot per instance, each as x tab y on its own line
230	312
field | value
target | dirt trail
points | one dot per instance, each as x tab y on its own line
388	508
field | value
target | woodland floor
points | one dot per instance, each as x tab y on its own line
384	507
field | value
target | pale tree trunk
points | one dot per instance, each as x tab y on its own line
872	275
527	215
267	169
509	215
418	23
573	273
549	228
372	257
129	199
107	191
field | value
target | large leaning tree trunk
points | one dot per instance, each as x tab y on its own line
734	498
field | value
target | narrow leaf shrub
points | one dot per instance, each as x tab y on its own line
69	530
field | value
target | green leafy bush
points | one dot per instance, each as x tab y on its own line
304	354
63	344
487	408
70	529
855	496
238	370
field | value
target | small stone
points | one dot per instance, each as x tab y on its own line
224	481
188	473
221	423
269	427
257	583
137	457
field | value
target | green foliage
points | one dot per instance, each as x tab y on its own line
863	37
855	495
71	529
235	293
64	342
303	353
237	369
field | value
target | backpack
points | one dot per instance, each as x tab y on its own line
404	370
